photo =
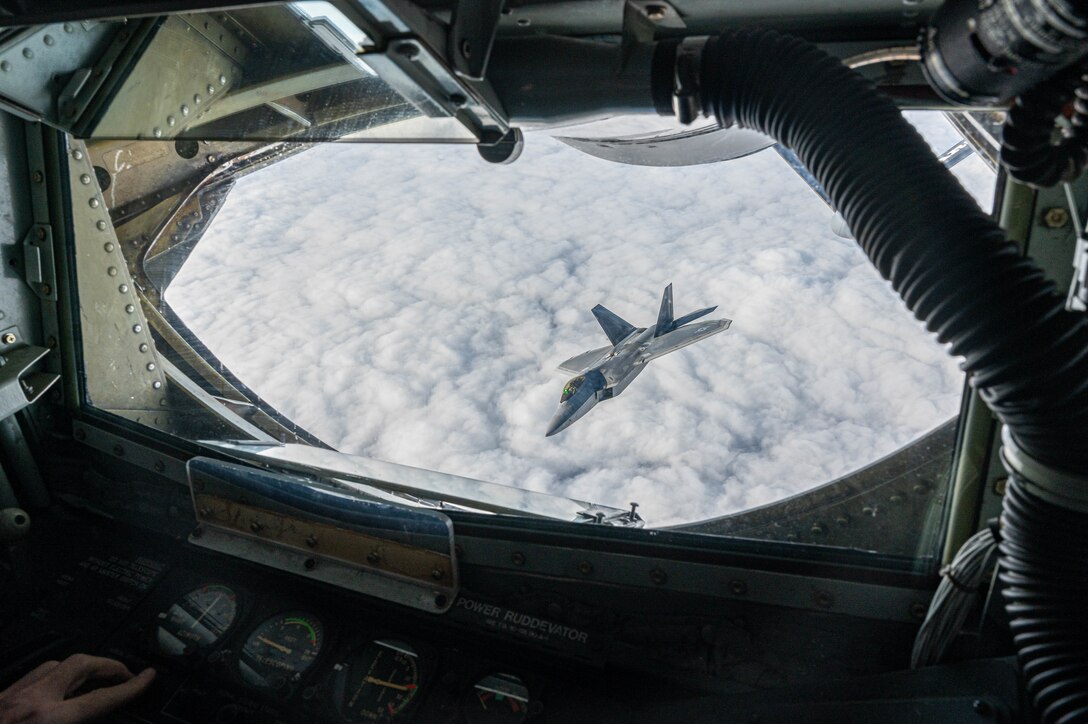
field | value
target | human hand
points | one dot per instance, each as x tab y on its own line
41	696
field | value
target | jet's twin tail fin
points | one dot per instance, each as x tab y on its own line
664	316
616	328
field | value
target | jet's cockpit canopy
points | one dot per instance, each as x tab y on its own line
571	388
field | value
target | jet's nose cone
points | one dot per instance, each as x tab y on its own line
559	422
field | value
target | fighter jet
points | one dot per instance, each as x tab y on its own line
605	372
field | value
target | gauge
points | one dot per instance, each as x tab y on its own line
196	621
280	650
498	699
377	682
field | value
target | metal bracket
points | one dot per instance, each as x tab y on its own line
39	265
18	386
317	529
472	33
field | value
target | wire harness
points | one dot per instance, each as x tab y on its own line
958	593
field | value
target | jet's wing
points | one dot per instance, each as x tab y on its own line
684	336
582	362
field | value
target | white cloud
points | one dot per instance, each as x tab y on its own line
411	303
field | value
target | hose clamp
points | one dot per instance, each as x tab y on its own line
687	102
1054	486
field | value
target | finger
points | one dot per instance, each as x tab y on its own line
101	701
33	675
71	673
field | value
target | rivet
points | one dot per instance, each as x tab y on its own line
5	66
842	521
817	529
112	271
156	385
894	499
130	308
100	225
84	179
211	158
585	568
197	99
170	120
144	347
77	155
68	27
137	328
210	89
869	511
437	574
156	132
312	541
150	366
93	203
28	53
222	80
184	109
48	40
123	288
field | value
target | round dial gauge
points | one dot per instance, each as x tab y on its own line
377	682
196	621
280	650
498	699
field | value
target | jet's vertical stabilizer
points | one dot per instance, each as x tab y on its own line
616	328
664	317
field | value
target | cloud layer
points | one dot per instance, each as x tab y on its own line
411	303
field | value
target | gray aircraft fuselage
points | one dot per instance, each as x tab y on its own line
606	372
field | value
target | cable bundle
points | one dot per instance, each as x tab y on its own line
956	594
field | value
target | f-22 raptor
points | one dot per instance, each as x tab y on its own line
605	372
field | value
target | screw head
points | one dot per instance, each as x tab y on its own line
1055	217
312	541
437	574
8	338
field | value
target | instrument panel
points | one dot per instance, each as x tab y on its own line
239	655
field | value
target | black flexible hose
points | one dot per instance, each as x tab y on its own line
951	264
1045	576
1027	151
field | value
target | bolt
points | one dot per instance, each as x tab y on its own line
123	288
1055	217
37	177
658	577
437	574
118	451
738	587
205	512
309	564
94	203
373	558
312	541
47	290
136	329
823	599
655	12
918	610
256	526
585	567
634	507
518	559
8	338
85	179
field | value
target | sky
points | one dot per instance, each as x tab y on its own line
412	303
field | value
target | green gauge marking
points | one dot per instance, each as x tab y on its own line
306	625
